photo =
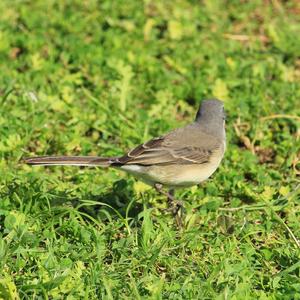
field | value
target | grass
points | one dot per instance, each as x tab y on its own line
99	77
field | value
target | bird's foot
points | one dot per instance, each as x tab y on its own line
174	206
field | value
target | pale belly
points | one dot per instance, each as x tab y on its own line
174	176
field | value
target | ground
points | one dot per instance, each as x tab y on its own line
98	78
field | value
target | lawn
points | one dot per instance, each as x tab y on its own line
99	77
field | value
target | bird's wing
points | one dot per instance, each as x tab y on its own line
159	151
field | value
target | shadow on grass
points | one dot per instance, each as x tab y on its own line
119	201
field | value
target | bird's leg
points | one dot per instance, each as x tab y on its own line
174	205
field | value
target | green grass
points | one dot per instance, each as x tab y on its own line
99	77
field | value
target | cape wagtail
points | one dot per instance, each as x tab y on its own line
181	158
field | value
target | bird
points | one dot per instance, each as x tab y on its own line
182	158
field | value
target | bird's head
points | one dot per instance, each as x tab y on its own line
211	110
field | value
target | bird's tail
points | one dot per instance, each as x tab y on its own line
88	161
